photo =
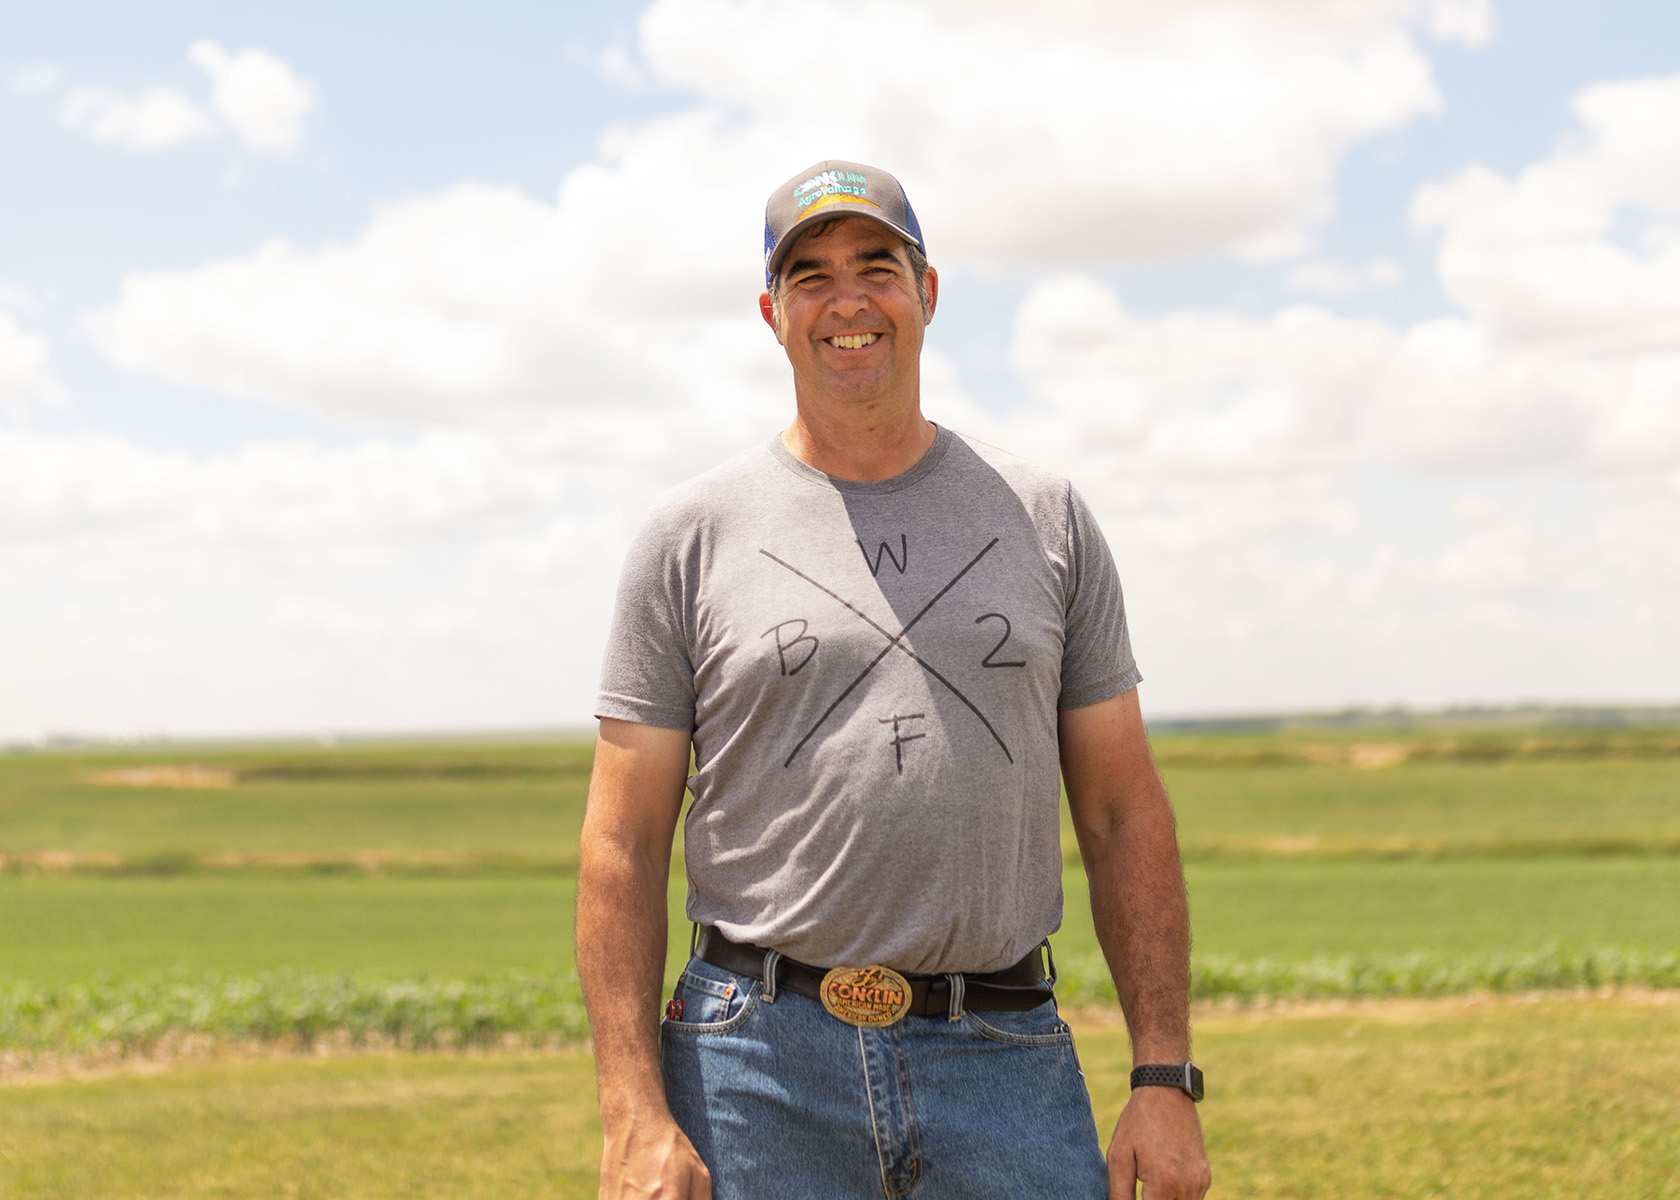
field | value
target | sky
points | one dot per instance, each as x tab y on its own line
342	349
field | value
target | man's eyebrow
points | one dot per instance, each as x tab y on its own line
878	254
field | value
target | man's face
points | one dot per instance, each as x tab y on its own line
851	320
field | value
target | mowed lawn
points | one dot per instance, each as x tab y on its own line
1484	1100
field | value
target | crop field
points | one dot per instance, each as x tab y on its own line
405	910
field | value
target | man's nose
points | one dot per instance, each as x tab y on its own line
850	296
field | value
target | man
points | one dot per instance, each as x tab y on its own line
880	641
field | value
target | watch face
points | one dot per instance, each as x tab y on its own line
1193	1076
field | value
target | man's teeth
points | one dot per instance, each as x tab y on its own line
854	341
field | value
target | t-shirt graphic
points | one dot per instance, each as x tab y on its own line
872	673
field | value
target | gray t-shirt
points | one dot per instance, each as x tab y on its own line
872	673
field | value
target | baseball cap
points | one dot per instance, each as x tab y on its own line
833	188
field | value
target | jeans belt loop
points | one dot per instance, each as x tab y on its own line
772	958
954	1011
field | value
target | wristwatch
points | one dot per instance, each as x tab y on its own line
1185	1076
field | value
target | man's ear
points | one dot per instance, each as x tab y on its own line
932	280
767	310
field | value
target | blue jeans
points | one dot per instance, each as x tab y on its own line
781	1099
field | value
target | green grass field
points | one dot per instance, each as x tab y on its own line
513	800
1485	1101
524	803
460	860
291	892
1524	802
59	929
62	928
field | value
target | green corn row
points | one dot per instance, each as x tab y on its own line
136	1016
133	1016
1414	975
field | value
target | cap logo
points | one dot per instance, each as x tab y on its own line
822	201
832	183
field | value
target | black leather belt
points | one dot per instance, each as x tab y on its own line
1013	989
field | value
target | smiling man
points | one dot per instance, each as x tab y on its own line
886	647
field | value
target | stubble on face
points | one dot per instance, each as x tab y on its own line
851	320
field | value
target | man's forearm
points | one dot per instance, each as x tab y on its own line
1142	921
621	936
1129	843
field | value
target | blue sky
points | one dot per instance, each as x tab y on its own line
332	382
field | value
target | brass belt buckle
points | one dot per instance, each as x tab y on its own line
866	996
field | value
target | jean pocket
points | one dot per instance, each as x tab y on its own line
1040	1026
708	999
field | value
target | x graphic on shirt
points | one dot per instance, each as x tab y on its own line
895	641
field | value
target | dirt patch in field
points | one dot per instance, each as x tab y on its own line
60	860
176	776
1377	755
1373	847
1386	1009
429	863
199	1049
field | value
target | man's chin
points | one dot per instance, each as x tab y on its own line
859	386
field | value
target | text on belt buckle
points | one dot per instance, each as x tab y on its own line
867	996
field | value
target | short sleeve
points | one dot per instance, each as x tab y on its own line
1097	662
647	673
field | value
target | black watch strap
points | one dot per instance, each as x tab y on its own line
1185	1076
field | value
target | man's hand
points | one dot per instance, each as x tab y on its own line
654	1160
1158	1143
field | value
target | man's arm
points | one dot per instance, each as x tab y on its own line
635	797
1129	844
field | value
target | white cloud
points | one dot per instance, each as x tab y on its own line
565	358
1208	393
1567	360
36	79
447	580
1578	331
480	305
411	322
1087	133
1336	279
258	95
618	67
23	367
1532	258
17	297
1232	457
153	119
1210	126
1223	395
1466	21
253	93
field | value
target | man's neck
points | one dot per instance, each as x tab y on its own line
865	446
